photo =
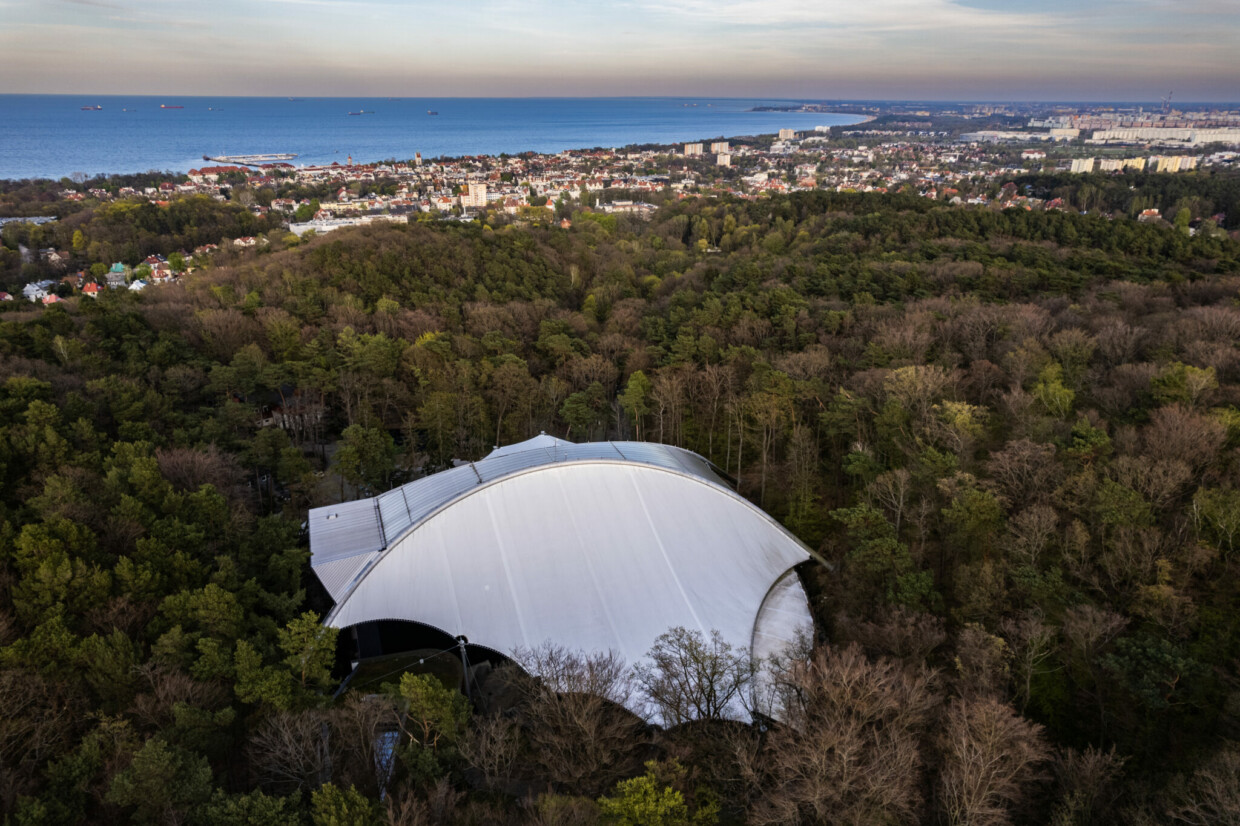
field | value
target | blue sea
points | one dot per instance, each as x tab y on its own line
51	136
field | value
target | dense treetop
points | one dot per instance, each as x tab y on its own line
1013	434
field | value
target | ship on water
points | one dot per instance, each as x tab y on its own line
431	112
95	108
166	106
251	160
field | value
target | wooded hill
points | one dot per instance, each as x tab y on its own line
1014	434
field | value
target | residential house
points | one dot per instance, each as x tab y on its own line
38	290
118	275
54	257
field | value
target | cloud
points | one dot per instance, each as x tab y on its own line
873	15
782	48
147	20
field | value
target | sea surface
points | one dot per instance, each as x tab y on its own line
51	136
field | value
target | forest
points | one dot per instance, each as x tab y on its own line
1014	436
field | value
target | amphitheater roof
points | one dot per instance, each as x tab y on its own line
595	546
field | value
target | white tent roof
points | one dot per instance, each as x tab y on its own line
594	547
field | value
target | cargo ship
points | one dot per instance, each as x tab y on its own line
166	106
92	108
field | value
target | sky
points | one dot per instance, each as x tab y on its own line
1055	50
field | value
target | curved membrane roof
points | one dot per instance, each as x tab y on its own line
593	547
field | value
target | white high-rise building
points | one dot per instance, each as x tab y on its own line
723	159
719	147
475	197
787	134
1082	165
693	149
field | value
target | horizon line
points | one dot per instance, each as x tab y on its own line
805	100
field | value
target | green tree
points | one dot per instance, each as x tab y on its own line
310	649
648	801
162	783
435	713
635	400
261	684
251	809
332	806
1055	397
881	562
366	458
586	410
1183	383
508	386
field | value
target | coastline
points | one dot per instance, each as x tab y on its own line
51	137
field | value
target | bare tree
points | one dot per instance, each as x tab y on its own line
361	731
1032	644
1177	433
982	661
668	394
189	468
1089	628
491	746
891	490
580	737
34	724
1119	343
693	677
917	388
557	810
1032	530
168	688
1024	471
438	809
898	632
1211	795
1160	481
849	753
1088	783
293	750
992	760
